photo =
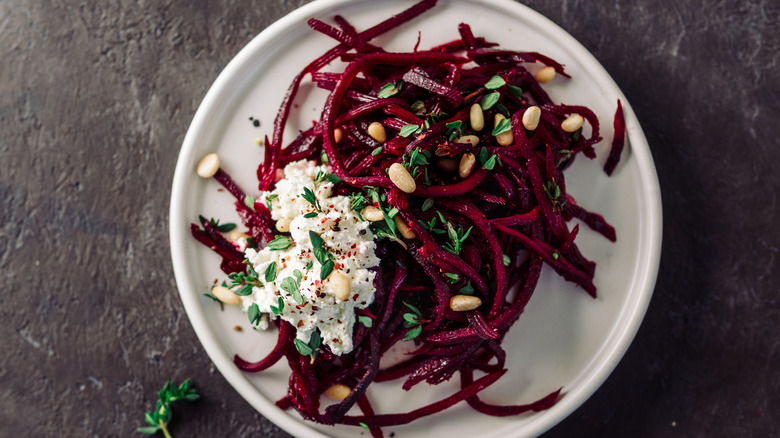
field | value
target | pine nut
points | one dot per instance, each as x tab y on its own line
446	164
372	214
403	227
338	392
234	235
572	123
545	75
505	138
340	284
468	139
476	117
466	166
208	165
377	131
283	224
338	134
401	178
531	117
225	295
463	303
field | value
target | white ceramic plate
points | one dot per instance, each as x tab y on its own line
564	338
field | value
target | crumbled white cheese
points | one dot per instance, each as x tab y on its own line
345	236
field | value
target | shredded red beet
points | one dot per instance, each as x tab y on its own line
469	229
617	140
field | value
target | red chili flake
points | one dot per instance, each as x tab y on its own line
339	321
332	206
284	265
349	254
323	220
354	245
314	308
300	324
336	341
355	297
338	265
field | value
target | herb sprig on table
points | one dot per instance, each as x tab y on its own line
159	418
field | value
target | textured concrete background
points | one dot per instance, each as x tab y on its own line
95	98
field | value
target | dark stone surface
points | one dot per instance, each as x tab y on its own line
95	98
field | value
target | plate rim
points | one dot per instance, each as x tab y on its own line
649	243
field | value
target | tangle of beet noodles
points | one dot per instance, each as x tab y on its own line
516	210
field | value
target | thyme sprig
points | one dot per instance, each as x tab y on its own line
413	321
309	195
244	281
161	416
222	228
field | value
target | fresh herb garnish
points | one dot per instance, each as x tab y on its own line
270	198
377	151
414	159
310	215
413	321
280	243
162	414
452	278
418	108
553	191
326	269
222	228
212	297
311	348
318	245
249	202
453	130
503	125
507	260
489	100
468	289
500	108
241	283
278	309
292	286
515	91
309	195
488	161
366	321
457	236
357	201
431	226
428	203
390	89
408	130
270	272
253	313
495	83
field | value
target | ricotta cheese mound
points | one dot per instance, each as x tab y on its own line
345	236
